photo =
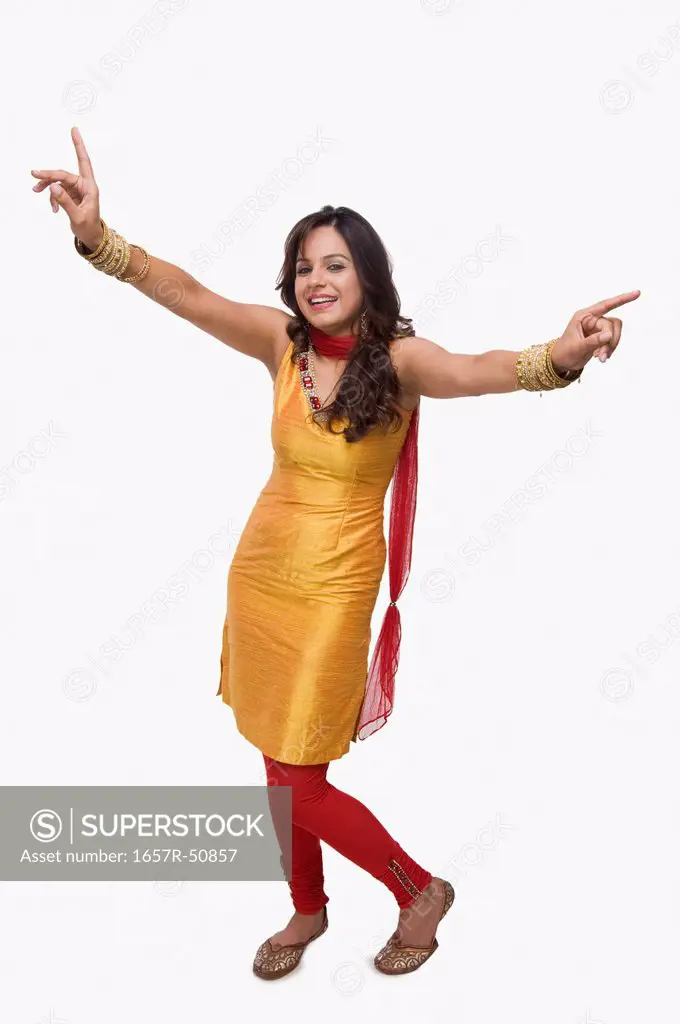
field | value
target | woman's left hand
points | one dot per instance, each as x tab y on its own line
590	333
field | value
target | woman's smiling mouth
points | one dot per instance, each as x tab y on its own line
322	301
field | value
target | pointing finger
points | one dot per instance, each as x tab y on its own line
84	165
603	307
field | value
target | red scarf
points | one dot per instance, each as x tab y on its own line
379	696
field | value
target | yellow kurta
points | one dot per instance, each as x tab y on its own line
303	583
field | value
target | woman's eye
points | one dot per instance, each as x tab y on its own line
340	266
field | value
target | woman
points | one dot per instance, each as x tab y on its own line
348	374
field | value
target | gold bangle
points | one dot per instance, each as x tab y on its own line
120	273
105	238
89	256
525	369
112	256
528	363
572	375
123	260
535	370
115	262
105	253
551	372
141	274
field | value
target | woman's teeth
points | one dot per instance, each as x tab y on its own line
324	304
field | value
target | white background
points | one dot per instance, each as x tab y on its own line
537	694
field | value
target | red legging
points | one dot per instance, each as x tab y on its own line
320	811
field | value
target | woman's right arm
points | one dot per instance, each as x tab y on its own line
247	327
254	330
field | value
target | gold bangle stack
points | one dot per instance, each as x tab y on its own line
535	370
112	255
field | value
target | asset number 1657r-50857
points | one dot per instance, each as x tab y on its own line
210	856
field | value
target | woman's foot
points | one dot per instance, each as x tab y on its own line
281	954
300	928
414	940
418	922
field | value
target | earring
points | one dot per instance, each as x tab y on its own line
363	326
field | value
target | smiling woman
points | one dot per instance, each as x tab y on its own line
305	575
337	278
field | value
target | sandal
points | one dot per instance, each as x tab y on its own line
395	958
272	963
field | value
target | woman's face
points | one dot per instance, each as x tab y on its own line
325	268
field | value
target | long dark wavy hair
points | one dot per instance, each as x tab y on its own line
369	387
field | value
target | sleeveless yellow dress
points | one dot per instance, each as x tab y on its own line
303	583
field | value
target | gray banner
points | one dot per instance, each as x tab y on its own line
145	833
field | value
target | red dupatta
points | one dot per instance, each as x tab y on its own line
378	699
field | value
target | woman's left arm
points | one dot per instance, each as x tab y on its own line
426	368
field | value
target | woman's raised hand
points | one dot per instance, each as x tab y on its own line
590	333
77	194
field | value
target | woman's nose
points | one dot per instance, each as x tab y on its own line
317	277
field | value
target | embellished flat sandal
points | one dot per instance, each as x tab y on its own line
272	963
395	958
